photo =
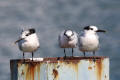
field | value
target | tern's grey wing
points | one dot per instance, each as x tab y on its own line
79	42
77	36
80	39
81	34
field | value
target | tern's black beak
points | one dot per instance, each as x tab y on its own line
19	40
100	31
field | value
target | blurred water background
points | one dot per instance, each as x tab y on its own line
49	18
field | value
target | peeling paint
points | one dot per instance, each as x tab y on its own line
90	68
55	73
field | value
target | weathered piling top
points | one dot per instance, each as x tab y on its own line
60	68
56	59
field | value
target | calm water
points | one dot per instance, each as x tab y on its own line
50	17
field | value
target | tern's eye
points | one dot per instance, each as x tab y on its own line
27	34
91	28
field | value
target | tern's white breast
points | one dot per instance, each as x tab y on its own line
30	44
88	42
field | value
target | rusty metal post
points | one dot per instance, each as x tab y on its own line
77	68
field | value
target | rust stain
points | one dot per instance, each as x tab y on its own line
75	66
38	71
22	72
55	73
30	71
71	58
105	76
28	74
99	68
55	59
89	68
91	61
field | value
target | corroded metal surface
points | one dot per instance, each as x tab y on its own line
71	68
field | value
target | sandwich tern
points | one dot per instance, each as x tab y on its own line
28	41
89	40
68	39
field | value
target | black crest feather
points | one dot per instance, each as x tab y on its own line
87	27
32	30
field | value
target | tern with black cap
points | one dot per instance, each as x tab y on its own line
89	40
28	41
